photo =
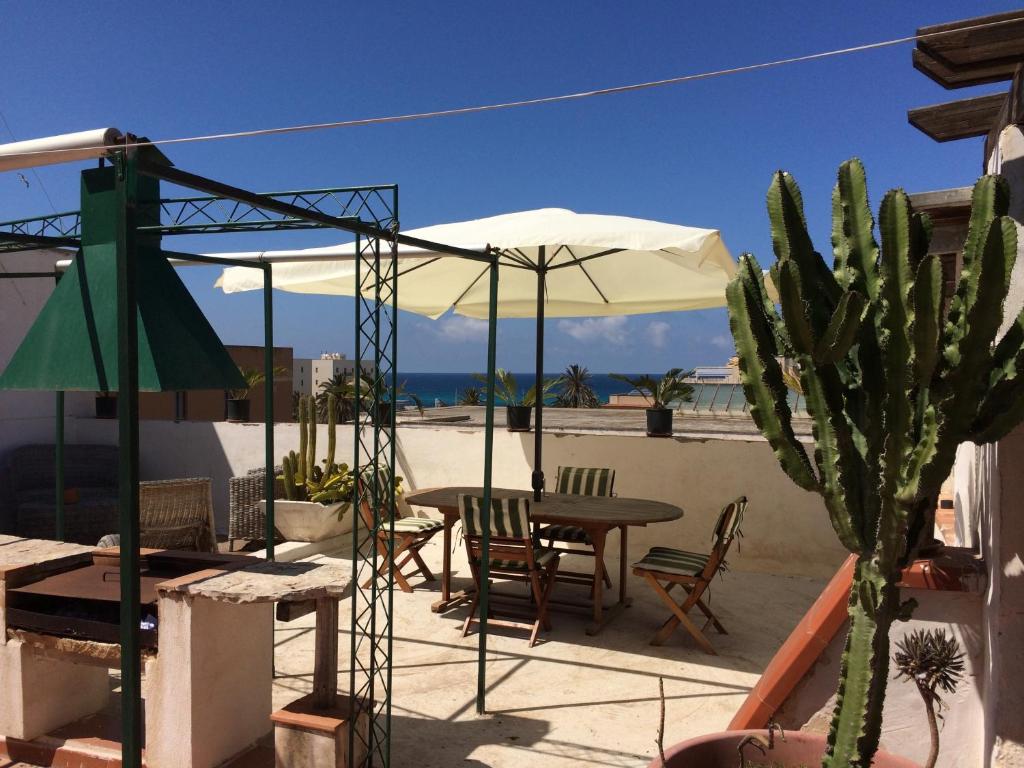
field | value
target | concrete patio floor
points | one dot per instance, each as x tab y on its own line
573	699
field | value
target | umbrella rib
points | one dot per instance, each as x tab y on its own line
580	259
419	266
470	286
583	269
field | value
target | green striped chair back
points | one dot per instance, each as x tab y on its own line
510	518
727	527
585	481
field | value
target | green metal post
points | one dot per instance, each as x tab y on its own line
59	451
392	512
357	407
59	458
485	574
128	460
538	434
268	401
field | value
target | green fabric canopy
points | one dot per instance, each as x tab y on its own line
73	343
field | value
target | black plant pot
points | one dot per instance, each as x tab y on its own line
659	422
238	410
106	406
519	418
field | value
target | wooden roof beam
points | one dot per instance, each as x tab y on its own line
965	55
958	119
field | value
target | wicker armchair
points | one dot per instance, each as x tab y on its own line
174	514
246	520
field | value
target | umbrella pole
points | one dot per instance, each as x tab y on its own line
538	435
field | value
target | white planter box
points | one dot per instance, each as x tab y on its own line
309	520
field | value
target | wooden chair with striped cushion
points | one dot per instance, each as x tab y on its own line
513	554
581	481
411	533
663	568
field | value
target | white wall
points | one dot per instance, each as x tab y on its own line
786	530
25	417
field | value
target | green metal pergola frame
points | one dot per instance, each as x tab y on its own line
231	209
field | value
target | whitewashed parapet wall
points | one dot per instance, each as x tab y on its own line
786	530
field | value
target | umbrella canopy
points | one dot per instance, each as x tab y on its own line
595	265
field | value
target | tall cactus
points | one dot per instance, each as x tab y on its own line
893	385
303	477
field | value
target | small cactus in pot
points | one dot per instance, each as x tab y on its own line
893	383
303	478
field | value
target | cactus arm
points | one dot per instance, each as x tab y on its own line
853	238
311	442
842	329
927	315
894	321
761	373
332	426
300	470
857	724
288	470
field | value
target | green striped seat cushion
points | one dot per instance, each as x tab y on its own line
572	534
415	525
541	556
674	561
585	481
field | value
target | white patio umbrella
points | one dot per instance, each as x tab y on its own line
553	263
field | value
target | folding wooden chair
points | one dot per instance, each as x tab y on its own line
582	481
513	554
663	568
411	533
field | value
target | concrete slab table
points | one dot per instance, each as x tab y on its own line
208	684
597	515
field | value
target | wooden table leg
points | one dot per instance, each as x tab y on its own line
622	564
325	654
598	537
447	598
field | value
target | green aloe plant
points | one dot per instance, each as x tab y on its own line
660	393
893	384
506	388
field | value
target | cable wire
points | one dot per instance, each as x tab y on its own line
480	108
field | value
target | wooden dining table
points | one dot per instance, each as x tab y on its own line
597	515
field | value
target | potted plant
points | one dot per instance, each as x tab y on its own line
518	409
893	381
660	393
106	405
932	660
374	390
316	494
238	404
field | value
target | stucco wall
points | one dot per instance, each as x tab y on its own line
786	529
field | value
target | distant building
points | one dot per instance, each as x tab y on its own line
210	404
309	373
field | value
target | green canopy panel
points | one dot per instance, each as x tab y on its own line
73	343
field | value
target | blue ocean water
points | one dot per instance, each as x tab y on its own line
447	387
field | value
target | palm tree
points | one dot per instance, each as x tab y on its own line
470	396
576	389
343	390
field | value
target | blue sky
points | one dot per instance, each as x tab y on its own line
699	154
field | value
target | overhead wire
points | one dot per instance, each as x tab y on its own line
536	101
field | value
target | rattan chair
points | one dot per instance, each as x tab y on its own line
246	521
174	514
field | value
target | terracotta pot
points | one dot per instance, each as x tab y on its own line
659	422
718	750
519	417
238	410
